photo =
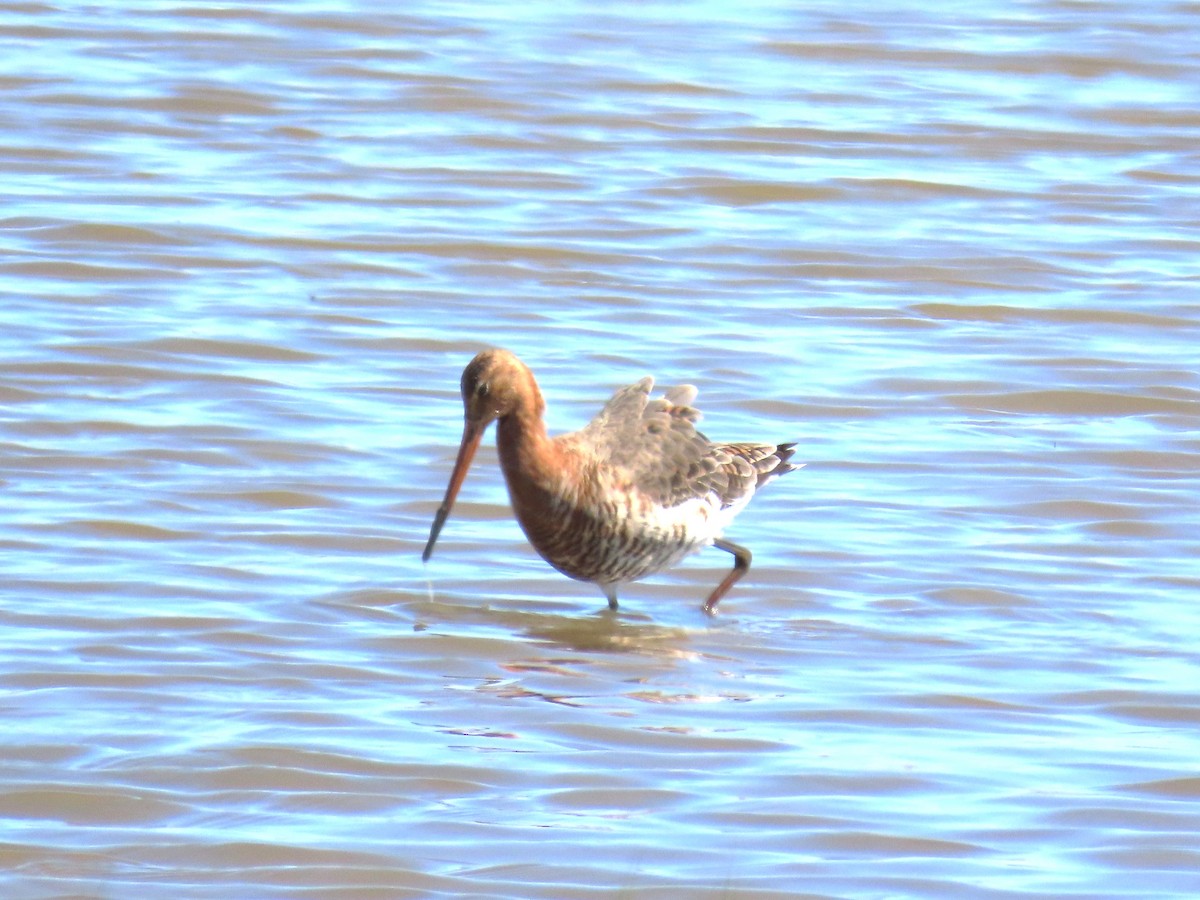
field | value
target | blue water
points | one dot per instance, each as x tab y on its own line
244	256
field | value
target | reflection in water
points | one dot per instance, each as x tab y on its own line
607	632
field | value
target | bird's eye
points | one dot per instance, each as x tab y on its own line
481	390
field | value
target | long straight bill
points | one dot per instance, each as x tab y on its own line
466	452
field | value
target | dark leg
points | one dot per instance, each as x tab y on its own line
610	591
741	565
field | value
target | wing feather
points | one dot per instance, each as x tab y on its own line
656	447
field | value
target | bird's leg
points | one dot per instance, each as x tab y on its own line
741	565
610	591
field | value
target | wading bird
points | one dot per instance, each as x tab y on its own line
631	494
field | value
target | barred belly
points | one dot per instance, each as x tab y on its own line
618	538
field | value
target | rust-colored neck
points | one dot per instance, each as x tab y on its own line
521	440
541	478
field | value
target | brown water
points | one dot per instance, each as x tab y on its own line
245	251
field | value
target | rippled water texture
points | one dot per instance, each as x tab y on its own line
245	251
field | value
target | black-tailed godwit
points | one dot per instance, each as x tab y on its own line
629	495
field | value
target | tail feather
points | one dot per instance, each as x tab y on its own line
747	467
775	463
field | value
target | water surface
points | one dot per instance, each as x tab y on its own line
244	255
